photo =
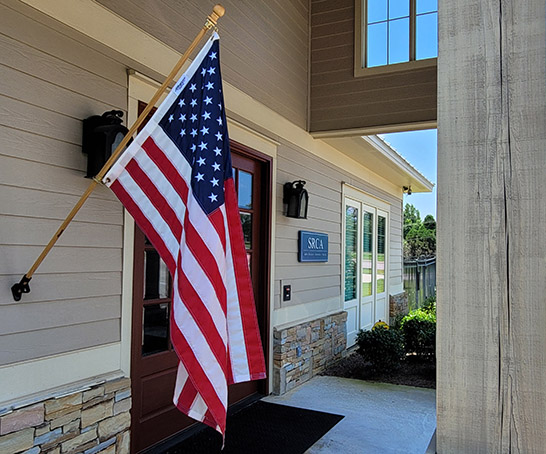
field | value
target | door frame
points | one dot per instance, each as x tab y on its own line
265	243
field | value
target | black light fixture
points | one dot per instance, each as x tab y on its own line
406	189
296	199
101	136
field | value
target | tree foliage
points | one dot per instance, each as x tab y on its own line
429	222
411	217
419	236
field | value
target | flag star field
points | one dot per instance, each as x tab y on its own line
199	131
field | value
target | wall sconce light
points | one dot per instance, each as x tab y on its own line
296	199
406	189
101	136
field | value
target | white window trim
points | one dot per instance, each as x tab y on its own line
355	193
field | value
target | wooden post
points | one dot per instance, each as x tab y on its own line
23	285
491	338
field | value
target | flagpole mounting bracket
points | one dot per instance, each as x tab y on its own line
96	180
21	287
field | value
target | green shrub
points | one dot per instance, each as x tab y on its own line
430	304
419	331
382	347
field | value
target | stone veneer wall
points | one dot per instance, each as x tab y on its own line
398	306
304	350
95	420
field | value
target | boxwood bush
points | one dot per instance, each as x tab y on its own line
419	331
382	347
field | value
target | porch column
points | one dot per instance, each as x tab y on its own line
492	227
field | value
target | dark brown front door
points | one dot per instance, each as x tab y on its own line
154	362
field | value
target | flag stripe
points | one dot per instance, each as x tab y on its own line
148	211
181	378
175	196
217	219
189	393
203	319
156	197
204	289
207	261
194	336
237	347
144	224
252	342
165	165
200	351
199	379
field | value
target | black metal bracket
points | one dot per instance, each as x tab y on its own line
21	287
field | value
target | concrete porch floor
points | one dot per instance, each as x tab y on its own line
379	418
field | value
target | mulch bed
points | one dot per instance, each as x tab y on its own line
413	372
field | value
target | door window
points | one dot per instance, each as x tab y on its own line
351	252
381	252
367	254
244	182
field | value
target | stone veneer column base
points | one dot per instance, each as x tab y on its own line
304	350
398	306
94	420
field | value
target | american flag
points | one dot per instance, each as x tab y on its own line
176	180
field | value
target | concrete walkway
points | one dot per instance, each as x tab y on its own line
379	418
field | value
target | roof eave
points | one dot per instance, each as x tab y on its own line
380	158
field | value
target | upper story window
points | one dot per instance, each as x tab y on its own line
393	32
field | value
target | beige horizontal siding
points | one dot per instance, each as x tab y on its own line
318	281
54	47
50	82
52	314
306	270
78	234
62	259
36	203
264	44
18	143
63	286
395	246
34	344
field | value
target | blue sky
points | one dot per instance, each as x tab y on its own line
420	149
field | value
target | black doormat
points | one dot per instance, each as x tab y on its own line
263	428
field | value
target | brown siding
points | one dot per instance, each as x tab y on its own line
48	84
264	44
341	101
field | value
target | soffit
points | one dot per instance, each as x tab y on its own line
380	158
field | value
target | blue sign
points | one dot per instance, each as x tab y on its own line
312	246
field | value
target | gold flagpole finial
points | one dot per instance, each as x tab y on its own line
217	12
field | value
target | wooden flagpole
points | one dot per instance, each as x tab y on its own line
23	285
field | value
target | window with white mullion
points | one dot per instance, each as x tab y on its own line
399	31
